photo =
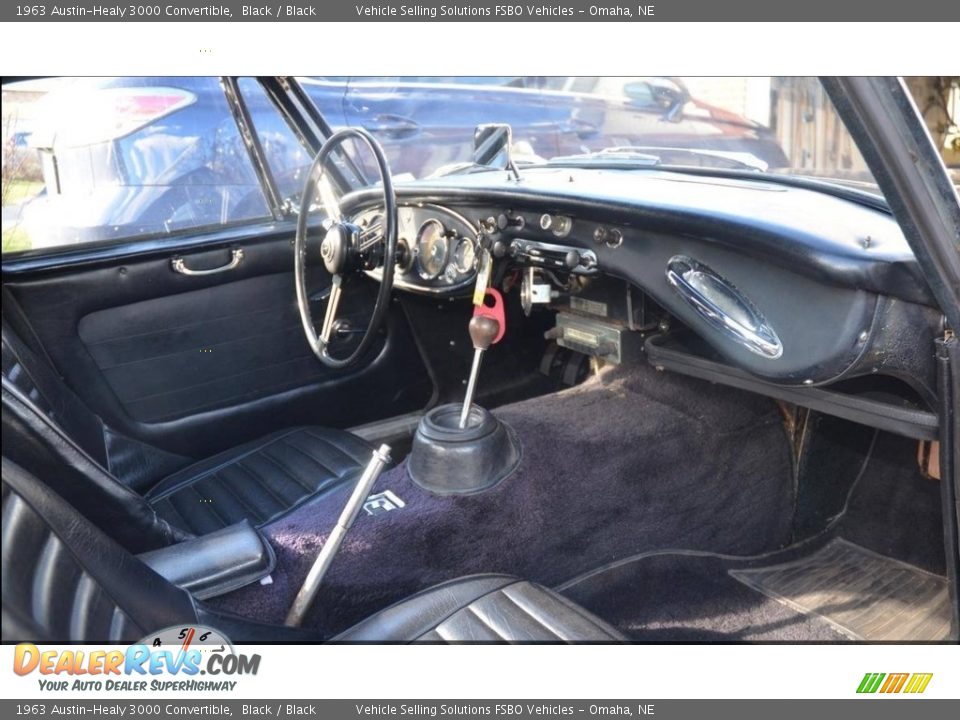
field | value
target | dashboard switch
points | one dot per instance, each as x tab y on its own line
559	225
505	221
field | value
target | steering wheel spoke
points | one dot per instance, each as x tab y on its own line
330	316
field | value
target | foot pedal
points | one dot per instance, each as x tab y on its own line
564	366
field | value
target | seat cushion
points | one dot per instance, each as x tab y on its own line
261	480
483	608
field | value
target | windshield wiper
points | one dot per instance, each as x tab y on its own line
651	156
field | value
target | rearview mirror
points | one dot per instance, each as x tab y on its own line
491	145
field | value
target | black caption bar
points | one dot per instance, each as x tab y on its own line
571	11
513	709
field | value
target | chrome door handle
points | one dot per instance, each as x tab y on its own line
179	264
723	306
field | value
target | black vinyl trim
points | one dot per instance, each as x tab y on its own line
918	424
948	366
885	124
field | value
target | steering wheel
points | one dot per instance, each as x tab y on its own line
346	248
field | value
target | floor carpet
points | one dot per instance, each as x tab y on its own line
631	461
875	573
679	597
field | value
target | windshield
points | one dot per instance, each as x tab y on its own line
768	124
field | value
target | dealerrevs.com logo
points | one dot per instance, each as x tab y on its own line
169	660
889	683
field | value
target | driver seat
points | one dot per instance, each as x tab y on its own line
143	497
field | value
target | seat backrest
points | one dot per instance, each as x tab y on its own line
49	432
33	377
63	579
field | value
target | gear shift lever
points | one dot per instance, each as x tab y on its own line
483	331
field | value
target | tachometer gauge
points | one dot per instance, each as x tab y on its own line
465	256
431	249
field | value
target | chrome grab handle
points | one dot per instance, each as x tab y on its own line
723	306
179	264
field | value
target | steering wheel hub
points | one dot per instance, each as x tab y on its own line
338	247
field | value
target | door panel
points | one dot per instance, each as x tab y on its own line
198	364
181	354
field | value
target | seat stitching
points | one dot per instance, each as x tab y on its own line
56	533
173	507
254	511
470	609
455	610
213	508
535	618
228	487
269	490
336	447
81	591
288	472
328	470
582	612
229	461
305	499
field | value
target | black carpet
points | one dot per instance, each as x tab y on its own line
684	598
891	510
894	510
631	461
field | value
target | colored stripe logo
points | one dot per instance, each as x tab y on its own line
887	683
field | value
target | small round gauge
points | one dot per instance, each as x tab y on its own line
432	249
465	256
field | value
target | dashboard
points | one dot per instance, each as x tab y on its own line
788	285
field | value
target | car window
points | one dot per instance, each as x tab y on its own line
286	155
107	159
770	124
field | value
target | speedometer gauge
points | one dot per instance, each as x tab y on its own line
431	249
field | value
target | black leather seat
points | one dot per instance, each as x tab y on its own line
126	487
64	580
483	608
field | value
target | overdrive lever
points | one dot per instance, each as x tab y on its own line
483	331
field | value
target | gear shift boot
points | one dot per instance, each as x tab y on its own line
449	460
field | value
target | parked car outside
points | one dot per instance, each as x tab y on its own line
172	156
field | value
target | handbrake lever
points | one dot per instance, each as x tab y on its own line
378	461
